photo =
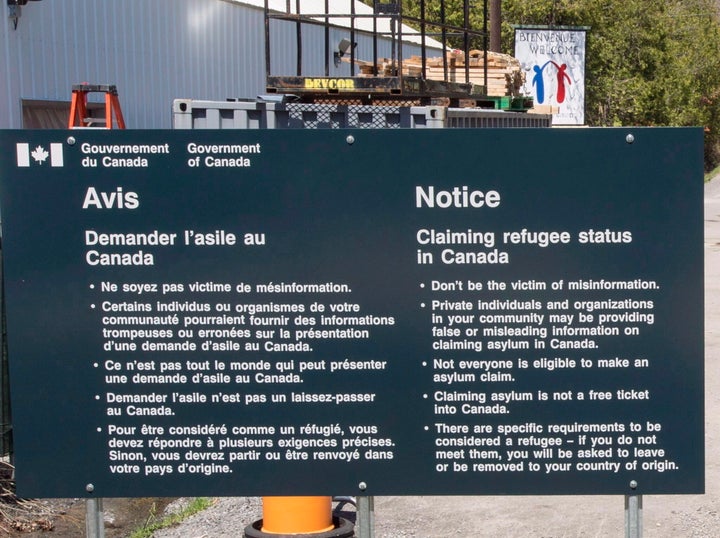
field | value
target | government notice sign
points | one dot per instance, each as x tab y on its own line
346	312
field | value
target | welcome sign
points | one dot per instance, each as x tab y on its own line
554	63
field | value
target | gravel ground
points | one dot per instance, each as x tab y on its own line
226	518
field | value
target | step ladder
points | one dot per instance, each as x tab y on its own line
79	111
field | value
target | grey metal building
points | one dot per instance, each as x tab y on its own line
156	51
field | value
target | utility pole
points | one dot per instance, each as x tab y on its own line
495	25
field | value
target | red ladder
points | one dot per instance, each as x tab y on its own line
78	106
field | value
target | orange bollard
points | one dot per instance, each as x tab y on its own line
297	515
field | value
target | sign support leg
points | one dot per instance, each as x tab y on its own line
633	516
365	516
94	520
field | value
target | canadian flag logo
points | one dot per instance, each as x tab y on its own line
39	155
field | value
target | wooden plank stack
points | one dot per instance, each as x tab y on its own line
505	75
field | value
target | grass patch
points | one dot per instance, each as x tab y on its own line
711	174
198	504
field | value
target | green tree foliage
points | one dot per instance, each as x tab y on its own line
451	13
647	62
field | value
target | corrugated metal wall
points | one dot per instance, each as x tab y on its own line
153	51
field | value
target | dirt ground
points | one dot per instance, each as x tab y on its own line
65	518
691	516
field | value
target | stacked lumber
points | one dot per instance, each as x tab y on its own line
505	75
387	68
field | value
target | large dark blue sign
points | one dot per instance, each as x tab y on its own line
345	312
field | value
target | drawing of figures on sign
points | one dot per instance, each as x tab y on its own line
538	82
554	62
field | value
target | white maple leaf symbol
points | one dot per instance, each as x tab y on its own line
39	154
